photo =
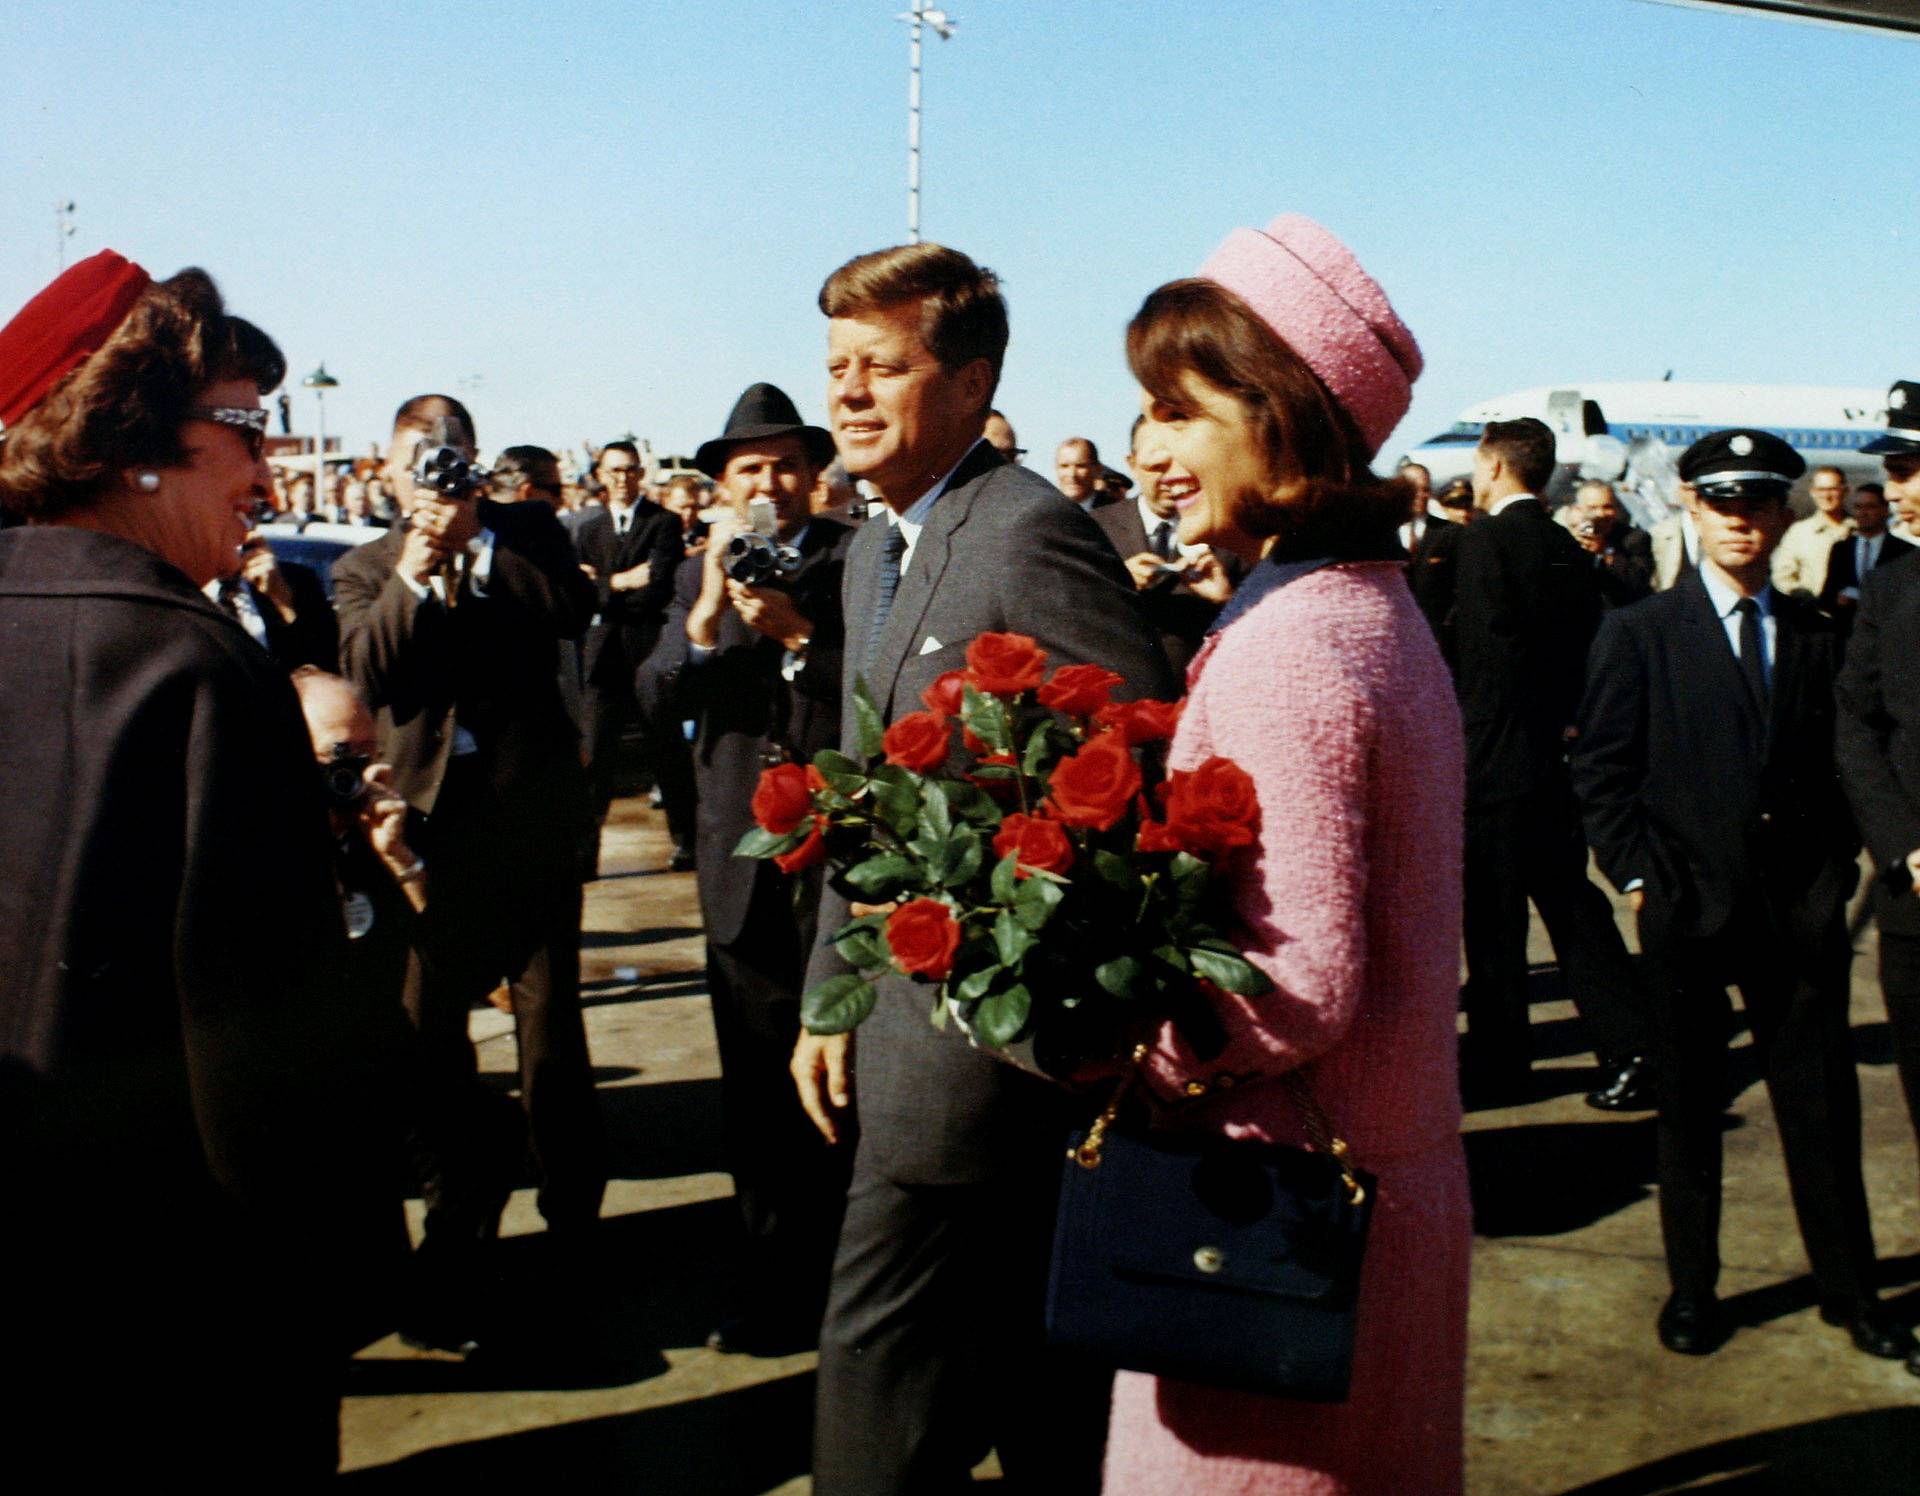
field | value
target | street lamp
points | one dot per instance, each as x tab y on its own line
320	381
943	27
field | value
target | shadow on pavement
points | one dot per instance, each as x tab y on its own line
599	940
1550	1178
732	1444
663	1129
1875	1453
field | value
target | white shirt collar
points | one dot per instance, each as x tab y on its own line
1725	599
1509	501
914	519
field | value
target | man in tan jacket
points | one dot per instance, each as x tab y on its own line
1800	563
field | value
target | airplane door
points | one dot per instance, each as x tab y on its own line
1566	414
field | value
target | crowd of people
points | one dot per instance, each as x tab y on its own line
1450	703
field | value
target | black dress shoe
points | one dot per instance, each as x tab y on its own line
1874	1331
1690	1325
683	860
1913	1363
1629	1089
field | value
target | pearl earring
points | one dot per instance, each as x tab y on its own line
149	482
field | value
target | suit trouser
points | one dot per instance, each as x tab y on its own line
1532	847
504	904
789	1184
1900	987
664	749
932	1351
1795	999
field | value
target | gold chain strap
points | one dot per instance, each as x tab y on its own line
1319	1125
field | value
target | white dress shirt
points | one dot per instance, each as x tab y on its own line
914	519
1726	601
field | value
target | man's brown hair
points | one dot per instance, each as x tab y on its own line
963	316
1525	445
1323	496
125	405
425	412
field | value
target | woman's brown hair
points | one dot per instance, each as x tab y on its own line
125	405
1323	497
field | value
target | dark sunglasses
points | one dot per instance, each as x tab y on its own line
252	421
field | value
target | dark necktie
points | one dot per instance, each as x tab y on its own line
1753	660
885	586
1163	540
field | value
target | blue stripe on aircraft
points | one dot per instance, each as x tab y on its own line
1806	438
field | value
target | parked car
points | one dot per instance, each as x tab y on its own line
317	545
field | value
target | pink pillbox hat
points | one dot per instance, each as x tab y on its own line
1307	286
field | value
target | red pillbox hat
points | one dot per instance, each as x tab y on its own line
61	327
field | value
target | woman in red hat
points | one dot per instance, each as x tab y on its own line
1268	385
186	1149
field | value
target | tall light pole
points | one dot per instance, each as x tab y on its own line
320	381
62	230
943	25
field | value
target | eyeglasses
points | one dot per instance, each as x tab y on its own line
250	419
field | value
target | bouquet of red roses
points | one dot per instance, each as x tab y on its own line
1047	877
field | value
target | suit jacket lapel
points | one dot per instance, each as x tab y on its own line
923	574
1721	676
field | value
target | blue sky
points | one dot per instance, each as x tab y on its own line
589	218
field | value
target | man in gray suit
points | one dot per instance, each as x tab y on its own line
932	1347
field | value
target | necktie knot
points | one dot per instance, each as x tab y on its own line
1163	540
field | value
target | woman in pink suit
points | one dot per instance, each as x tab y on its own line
1269	383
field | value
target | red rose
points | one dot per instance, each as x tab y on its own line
815	779
1212	809
812	850
1092	787
1141	721
918	741
1079	690
947	695
1035	842
923	936
1000	787
1156	836
783	797
1005	664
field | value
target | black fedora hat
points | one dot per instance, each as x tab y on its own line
1902	438
763	411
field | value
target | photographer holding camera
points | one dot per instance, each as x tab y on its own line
1622	553
449	627
755	637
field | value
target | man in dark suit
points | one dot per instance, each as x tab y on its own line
1878	745
1705	765
1622	552
1182	588
958	1160
1431	539
283	605
633	547
1524	618
448	627
1854	556
758	667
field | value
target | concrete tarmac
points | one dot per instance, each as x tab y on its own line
1569	1392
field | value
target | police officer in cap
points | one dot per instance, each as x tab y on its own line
1878	739
1705	770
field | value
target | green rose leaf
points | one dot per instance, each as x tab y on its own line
862	946
838	1005
969	802
1039	744
1034	904
1002	1018
881	876
1115	869
1229	970
759	843
846	777
1006	879
936	820
866	716
1012	939
976	986
1123	976
1171	955
965	853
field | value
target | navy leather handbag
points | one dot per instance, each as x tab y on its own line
1197	1257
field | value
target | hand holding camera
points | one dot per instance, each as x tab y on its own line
361	796
446	513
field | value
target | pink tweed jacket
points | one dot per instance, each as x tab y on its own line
1330	692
